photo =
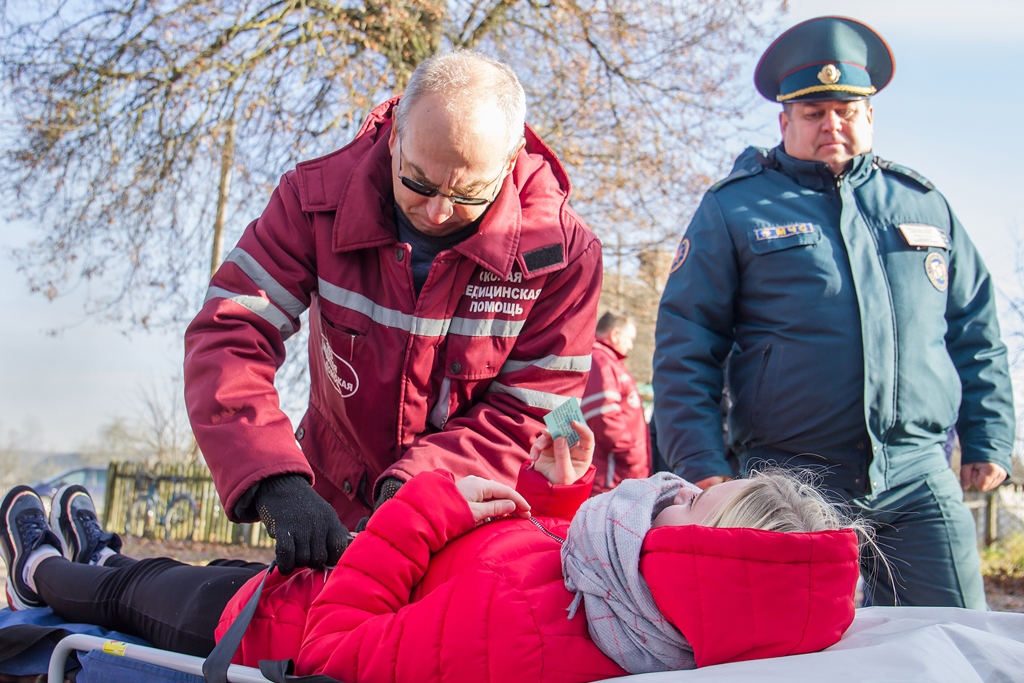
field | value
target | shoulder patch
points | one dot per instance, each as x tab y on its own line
893	167
681	254
542	258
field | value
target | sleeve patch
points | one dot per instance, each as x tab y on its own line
681	254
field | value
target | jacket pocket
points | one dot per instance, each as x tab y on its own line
470	359
344	324
471	365
341	352
764	241
330	456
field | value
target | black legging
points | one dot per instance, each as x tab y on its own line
172	605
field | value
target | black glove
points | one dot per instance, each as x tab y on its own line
306	528
388	488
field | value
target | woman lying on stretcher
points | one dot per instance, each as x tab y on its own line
472	580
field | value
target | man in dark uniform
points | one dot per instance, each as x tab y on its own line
860	320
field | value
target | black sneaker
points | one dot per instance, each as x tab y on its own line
74	515
23	528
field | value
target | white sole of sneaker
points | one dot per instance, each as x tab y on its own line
55	507
14	601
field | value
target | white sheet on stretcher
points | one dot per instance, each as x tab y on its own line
891	644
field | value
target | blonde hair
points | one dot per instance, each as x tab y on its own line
781	500
790	501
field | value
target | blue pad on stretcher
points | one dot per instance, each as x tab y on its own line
35	659
100	667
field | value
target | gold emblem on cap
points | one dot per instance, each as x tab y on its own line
829	74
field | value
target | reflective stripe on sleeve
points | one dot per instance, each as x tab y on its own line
564	363
531	397
259	275
610	394
258	305
603	410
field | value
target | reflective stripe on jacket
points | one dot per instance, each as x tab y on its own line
459	377
612	408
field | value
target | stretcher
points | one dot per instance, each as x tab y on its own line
884	643
103	656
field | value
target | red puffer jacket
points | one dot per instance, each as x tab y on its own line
458	377
417	598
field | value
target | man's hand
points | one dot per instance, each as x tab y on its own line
705	484
559	463
306	528
388	488
981	476
489	499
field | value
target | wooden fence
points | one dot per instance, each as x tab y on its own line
998	513
172	501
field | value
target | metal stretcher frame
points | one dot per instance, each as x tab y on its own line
141	653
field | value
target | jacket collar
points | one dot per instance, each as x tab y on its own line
365	213
816	175
600	343
524	219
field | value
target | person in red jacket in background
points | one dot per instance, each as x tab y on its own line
612	408
472	580
451	294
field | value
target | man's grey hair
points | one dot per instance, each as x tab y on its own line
467	78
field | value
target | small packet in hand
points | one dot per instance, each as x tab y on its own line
558	421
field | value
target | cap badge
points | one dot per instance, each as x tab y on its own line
829	74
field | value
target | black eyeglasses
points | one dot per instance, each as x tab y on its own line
427	191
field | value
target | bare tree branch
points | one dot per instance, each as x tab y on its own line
117	133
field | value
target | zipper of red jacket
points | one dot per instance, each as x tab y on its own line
546	532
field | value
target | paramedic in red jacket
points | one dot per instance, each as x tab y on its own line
452	295
612	408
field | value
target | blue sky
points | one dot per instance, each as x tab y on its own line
952	113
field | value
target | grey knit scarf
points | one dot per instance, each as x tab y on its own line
601	564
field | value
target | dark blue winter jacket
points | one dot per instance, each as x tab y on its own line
859	321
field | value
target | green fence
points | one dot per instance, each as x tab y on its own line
172	502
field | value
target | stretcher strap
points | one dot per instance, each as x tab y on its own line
215	668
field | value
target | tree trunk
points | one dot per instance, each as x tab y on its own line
619	298
227	162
